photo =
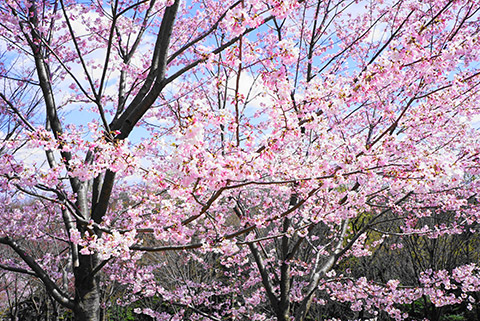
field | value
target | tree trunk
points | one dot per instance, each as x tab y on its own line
87	290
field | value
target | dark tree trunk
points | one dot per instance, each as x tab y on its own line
87	290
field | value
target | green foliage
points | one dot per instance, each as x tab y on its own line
125	313
424	308
454	317
67	315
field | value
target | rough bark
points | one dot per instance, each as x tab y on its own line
87	290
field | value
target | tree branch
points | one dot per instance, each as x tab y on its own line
148	93
16	269
51	286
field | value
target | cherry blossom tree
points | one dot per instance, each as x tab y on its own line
259	146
